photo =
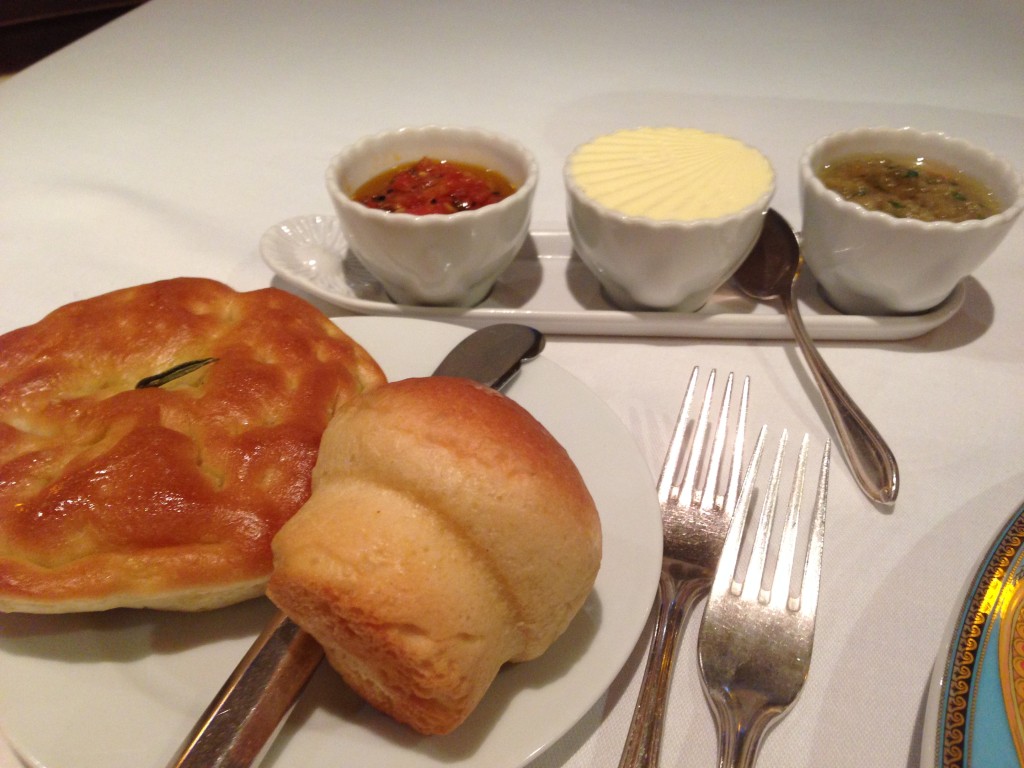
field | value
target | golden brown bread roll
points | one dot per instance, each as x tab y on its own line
447	533
165	496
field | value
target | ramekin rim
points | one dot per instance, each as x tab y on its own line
759	205
813	182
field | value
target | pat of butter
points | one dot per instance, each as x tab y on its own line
671	173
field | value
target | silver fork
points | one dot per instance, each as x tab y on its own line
697	496
755	638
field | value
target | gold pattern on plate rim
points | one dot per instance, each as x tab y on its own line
966	656
1011	658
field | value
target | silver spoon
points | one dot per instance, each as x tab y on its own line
771	271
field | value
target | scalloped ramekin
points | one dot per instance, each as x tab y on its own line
647	263
435	259
871	263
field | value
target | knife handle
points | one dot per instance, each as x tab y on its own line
262	689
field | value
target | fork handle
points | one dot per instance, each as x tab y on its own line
742	722
676	598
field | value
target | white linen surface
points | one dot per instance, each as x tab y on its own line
166	143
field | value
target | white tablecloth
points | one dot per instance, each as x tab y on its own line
166	143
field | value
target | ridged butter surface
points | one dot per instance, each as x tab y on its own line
671	173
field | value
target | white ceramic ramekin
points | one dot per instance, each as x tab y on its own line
872	263
646	263
434	259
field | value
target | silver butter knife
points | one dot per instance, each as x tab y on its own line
241	721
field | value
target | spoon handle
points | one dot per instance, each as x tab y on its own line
871	461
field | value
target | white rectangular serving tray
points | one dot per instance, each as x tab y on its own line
550	289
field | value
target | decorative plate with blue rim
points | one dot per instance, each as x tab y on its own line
975	712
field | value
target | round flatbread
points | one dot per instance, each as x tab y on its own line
165	495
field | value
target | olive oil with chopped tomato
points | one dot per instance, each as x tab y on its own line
429	185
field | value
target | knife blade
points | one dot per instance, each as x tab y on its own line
240	723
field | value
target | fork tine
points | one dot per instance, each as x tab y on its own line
751	587
667	490
693	464
729	558
777	594
736	466
707	495
807	601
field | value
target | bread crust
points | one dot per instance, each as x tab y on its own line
447	533
169	496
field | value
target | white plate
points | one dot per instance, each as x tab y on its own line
966	721
121	689
549	288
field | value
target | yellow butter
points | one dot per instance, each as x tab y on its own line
671	173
